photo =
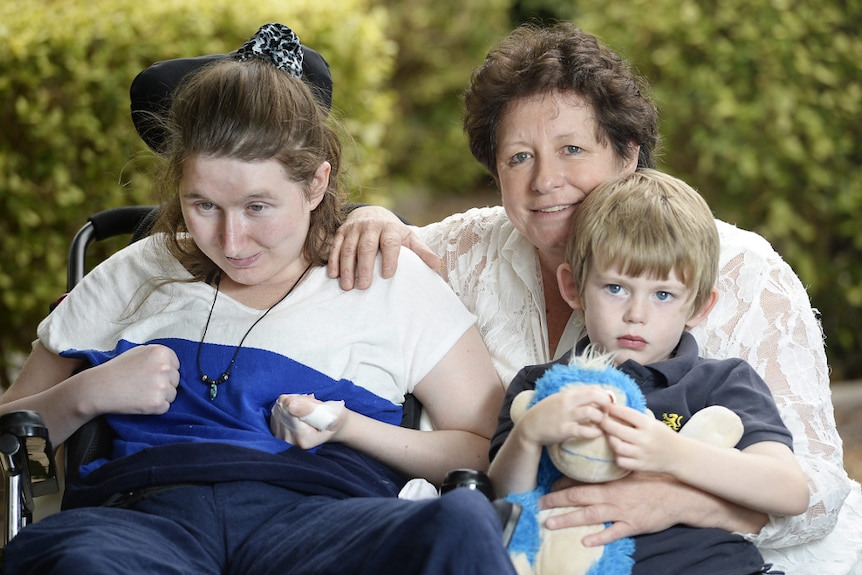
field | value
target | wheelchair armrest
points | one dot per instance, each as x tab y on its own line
29	467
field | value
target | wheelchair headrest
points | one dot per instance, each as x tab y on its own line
152	88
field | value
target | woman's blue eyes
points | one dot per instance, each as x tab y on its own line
522	157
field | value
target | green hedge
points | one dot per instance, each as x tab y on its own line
440	42
67	144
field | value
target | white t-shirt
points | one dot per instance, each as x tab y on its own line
368	347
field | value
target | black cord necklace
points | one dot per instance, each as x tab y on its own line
213	383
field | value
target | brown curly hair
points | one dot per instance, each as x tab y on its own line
535	60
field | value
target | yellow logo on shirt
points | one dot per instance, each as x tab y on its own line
672	420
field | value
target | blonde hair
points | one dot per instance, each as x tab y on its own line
647	223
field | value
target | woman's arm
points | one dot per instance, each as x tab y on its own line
142	380
644	503
764	316
461	395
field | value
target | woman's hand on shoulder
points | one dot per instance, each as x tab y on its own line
366	230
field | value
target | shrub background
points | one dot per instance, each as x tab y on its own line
761	107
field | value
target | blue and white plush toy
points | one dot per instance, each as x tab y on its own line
535	550
538	551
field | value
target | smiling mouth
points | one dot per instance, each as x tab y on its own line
554	209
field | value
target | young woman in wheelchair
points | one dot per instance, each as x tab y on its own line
256	404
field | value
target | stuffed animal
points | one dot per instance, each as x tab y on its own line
538	551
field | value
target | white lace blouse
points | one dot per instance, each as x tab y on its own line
763	315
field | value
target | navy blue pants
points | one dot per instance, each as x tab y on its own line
247	527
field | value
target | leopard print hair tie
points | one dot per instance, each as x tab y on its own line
276	44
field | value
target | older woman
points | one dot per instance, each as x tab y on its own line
551	114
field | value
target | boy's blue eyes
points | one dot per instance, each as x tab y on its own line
616	289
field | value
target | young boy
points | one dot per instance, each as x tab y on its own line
640	266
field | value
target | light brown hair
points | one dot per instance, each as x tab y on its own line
249	111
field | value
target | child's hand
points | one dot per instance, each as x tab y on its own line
573	413
639	440
305	421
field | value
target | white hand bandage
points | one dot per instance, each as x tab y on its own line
324	415
321	417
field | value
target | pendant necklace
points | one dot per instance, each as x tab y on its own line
214	383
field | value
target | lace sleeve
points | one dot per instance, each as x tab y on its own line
465	242
765	317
